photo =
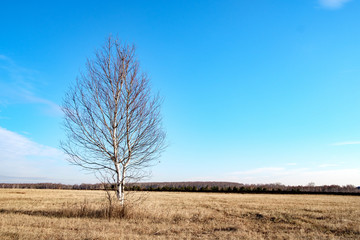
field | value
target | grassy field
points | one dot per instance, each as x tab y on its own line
70	214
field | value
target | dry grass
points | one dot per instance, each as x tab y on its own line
70	214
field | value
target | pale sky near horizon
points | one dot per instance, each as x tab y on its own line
254	91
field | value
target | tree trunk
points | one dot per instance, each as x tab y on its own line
122	187
120	181
120	192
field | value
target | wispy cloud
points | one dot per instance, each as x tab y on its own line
51	107
328	165
3	57
18	86
345	143
260	170
332	4
23	159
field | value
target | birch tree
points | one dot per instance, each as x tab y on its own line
112	120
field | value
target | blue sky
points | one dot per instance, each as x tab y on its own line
255	91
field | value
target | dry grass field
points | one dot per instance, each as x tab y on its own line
70	214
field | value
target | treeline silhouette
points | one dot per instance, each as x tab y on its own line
223	187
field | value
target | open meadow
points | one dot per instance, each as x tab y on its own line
74	214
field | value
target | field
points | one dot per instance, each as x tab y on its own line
73	214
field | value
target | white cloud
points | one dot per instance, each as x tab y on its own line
332	4
13	145
23	160
346	143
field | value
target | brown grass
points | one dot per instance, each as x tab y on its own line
70	214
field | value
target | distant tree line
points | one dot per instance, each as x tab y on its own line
82	186
225	187
221	187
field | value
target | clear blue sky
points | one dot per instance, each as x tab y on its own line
255	91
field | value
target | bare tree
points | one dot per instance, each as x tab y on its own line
112	121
